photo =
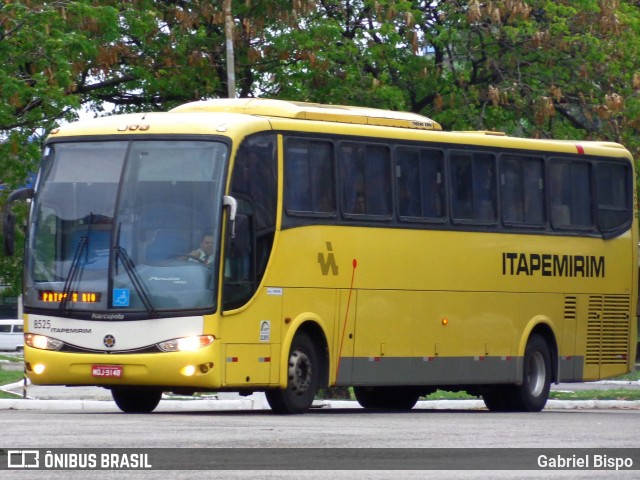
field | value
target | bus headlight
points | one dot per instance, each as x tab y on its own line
186	344
42	342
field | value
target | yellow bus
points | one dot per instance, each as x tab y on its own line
263	245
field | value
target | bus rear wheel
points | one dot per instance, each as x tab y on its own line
136	400
532	394
302	378
387	398
499	398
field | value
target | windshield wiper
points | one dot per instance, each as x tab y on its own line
130	268
73	271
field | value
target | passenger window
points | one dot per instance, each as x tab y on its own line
309	178
522	191
365	180
570	194
613	185
255	177
473	187
419	184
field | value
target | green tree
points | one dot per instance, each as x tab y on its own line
541	68
57	57
561	69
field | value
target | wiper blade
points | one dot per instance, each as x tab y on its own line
73	271
130	268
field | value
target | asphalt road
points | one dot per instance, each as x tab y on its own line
79	418
323	436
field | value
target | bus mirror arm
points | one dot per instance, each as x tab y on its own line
9	218
232	203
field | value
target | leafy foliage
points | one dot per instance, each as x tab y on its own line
541	68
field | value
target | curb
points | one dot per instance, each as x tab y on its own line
258	402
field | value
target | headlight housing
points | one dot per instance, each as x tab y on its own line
186	344
42	342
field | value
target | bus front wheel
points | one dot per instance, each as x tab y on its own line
532	394
302	378
136	400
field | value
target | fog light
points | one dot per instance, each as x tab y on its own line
38	368
188	371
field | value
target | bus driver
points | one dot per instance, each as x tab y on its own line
204	252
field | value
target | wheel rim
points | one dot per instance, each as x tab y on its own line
537	374
300	372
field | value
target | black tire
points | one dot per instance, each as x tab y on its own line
302	378
499	398
533	393
136	400
387	398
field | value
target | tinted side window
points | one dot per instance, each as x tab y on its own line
522	191
255	177
365	180
473	187
419	184
614	197
309	177
570	194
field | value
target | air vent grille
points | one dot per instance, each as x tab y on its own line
608	330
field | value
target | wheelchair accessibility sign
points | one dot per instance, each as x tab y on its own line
121	297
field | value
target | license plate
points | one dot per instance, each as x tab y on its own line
114	371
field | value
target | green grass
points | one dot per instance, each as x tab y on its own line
609	394
444	395
9	358
633	376
10	376
7	377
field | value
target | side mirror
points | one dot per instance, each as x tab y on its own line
232	203
9	219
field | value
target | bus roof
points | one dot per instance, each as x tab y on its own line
259	114
313	111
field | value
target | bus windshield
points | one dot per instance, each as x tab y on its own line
126	226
